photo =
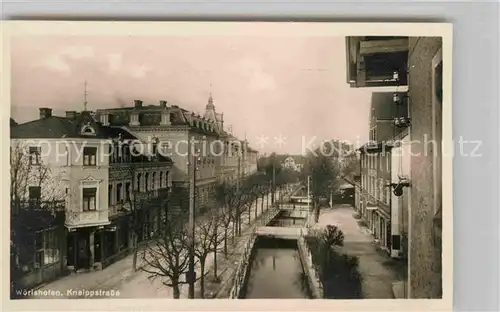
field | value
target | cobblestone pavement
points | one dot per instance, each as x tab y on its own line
120	277
379	271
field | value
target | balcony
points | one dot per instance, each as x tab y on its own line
80	219
152	196
377	62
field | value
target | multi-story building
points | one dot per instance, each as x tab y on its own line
181	134
250	157
68	163
83	168
383	218
388	62
138	194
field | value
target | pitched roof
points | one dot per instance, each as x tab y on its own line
298	159
55	127
150	115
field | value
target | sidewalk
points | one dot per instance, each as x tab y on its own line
120	276
379	271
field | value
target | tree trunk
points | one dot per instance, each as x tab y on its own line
175	286
249	214
216	277
202	277
216	246
225	241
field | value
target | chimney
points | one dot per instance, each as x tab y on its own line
137	103
163	104
70	114
45	112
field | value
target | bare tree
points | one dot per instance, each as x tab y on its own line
223	199
34	209
207	240
167	257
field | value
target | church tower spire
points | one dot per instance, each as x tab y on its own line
210	104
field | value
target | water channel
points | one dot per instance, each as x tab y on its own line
275	268
276	271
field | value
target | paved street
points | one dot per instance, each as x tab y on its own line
376	267
120	276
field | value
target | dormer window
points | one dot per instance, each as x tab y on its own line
88	130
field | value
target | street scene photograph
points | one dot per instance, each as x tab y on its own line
228	166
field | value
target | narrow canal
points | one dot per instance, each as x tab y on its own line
276	271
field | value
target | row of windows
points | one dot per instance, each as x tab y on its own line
89	156
148	182
378	188
371	162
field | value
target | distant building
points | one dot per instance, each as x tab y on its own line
386	61
292	162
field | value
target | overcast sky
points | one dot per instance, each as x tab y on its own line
289	87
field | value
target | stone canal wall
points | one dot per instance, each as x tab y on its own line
308	266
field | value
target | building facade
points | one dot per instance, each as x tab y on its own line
388	62
183	135
92	170
67	162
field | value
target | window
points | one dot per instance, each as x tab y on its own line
35	194
146	181
110	195
50	247
154	184
127	191
381	158
388	194
381	190
138	182
166	178
35	152
161	179
89	156
89	199
119	193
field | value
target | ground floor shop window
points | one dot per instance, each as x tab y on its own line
47	247
25	249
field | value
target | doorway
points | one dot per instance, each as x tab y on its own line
82	248
98	240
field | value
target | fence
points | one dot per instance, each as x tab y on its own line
309	266
242	268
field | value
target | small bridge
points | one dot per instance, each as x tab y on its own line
281	232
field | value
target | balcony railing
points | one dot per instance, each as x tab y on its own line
87	218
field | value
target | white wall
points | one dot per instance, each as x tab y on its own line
400	166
